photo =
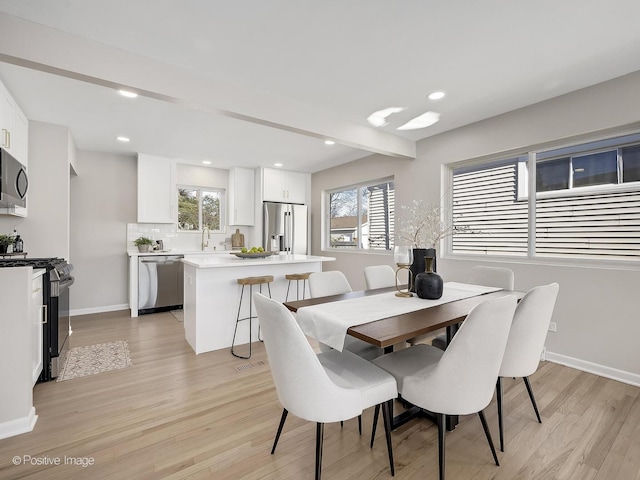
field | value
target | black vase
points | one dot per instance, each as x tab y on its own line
419	265
429	284
3	248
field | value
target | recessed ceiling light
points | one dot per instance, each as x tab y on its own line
277	164
329	142
379	118
123	139
128	94
436	95
422	121
206	162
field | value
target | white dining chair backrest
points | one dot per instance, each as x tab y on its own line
498	277
323	284
303	386
462	382
529	331
379	276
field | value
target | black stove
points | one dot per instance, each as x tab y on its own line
55	286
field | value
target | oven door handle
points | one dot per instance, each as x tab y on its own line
67	282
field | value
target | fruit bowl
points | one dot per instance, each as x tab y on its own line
253	255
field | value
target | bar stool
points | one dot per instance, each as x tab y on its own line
251	281
297	277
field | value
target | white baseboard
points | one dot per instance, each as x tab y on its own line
19	426
603	371
106	308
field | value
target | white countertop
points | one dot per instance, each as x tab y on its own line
217	261
136	253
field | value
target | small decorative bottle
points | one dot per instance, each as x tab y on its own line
429	284
18	245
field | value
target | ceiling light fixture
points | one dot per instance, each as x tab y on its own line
422	121
436	95
277	164
379	118
206	162
329	142
128	94
123	139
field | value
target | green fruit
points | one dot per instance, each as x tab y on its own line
260	249
244	250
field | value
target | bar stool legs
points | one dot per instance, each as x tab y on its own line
251	281
297	277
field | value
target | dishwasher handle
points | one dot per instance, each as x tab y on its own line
163	259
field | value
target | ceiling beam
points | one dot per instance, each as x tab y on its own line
45	49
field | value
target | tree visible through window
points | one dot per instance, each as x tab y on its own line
199	208
361	217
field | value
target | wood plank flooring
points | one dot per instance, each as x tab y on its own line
175	415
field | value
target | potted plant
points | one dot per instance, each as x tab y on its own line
5	241
143	244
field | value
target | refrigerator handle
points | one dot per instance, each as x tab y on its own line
287	232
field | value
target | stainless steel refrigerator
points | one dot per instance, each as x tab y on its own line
284	228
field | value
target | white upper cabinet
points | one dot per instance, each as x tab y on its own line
157	195
14	138
284	186
241	196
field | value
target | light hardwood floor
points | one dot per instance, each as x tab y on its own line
176	415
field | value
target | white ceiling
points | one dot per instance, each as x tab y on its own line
284	75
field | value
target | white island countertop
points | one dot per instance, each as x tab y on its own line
212	295
230	260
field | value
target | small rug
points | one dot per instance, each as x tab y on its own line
94	359
179	314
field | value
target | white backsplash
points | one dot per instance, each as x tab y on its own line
174	240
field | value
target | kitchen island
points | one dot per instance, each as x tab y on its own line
212	294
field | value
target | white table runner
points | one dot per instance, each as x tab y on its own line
328	322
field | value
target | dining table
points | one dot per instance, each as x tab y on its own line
385	320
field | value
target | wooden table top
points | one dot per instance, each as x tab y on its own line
391	330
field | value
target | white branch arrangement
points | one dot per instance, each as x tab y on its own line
422	226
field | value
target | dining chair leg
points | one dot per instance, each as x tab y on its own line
319	438
282	420
533	400
441	420
499	402
360	424
386	418
488	435
376	412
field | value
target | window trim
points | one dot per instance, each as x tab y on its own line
222	194
326	219
612	139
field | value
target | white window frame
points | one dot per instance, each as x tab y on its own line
326	215
199	189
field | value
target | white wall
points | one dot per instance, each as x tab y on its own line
597	311
45	230
103	201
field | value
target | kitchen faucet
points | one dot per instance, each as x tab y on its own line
203	244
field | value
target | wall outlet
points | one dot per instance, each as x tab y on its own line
552	327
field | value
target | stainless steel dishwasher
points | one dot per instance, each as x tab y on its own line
160	283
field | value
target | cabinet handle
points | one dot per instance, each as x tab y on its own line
45	319
7	138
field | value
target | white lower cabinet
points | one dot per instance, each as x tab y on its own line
18	357
38	317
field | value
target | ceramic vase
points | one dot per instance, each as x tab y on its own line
429	284
419	264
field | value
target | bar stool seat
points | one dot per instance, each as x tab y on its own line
304	277
251	281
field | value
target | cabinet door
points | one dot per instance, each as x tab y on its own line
274	185
7	109
241	196
156	189
296	187
38	313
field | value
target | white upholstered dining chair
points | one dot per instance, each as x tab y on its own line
328	387
526	341
499	277
334	282
459	380
379	276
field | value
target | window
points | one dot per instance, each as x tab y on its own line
199	208
361	217
586	205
